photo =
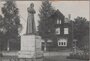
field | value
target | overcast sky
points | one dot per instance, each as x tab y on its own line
75	8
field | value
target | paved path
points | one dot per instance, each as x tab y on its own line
51	56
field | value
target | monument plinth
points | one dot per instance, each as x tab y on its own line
30	42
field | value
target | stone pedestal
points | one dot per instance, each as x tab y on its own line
30	47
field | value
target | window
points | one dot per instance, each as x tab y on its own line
62	42
57	30
59	43
66	20
66	31
58	21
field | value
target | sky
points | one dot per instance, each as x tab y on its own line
75	8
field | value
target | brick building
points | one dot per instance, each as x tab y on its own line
61	30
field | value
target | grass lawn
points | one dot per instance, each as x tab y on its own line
60	58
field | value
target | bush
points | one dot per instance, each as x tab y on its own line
81	56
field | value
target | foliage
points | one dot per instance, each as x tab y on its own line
11	21
45	23
80	31
80	56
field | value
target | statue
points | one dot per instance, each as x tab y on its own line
30	43
30	20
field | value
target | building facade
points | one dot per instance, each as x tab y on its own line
61	31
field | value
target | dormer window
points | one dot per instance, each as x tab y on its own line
66	20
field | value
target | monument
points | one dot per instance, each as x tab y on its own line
30	42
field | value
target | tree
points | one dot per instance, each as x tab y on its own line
80	31
11	22
1	20
45	24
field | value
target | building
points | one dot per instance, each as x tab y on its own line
61	30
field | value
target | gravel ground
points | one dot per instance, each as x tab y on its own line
60	58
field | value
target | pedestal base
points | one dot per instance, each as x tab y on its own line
30	47
26	54
31	59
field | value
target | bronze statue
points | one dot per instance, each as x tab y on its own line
30	20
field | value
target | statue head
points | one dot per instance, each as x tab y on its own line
31	8
31	5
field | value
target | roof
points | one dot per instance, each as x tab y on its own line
59	14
